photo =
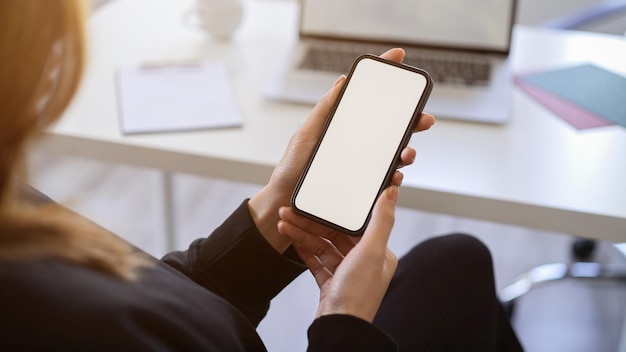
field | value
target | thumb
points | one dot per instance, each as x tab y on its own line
321	110
383	218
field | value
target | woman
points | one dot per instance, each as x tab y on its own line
68	284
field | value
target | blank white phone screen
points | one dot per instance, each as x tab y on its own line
360	144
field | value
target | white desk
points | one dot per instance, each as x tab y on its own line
535	171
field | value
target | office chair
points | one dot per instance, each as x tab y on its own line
582	250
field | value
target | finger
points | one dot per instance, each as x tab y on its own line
396	179
315	265
289	215
377	233
315	122
321	248
342	242
395	54
407	157
425	122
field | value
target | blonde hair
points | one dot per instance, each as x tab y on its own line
42	57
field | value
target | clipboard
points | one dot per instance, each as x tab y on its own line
173	97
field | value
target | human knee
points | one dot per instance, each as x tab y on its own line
459	243
457	249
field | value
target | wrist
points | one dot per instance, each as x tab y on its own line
263	208
363	312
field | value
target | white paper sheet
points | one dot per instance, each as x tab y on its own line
176	97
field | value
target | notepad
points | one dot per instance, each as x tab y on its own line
176	97
569	112
586	96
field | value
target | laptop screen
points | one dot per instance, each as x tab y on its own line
469	24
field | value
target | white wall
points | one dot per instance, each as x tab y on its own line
537	12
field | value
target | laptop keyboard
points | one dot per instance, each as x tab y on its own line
444	67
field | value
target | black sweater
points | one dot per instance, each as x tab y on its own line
210	297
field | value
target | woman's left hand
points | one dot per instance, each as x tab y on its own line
352	274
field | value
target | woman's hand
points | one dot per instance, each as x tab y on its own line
353	275
277	193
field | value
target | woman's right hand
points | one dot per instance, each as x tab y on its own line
277	193
353	274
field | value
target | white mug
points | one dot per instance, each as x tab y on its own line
220	18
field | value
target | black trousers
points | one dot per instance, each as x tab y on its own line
443	298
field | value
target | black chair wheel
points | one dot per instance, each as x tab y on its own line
583	249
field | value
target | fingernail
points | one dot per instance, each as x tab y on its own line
392	194
339	80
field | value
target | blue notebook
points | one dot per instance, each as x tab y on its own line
600	92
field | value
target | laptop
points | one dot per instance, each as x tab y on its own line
463	44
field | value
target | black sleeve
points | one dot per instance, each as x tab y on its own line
347	333
238	264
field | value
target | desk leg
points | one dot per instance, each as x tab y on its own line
622	341
167	210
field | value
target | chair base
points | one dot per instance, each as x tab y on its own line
558	271
580	269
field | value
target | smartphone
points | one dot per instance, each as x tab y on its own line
359	149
